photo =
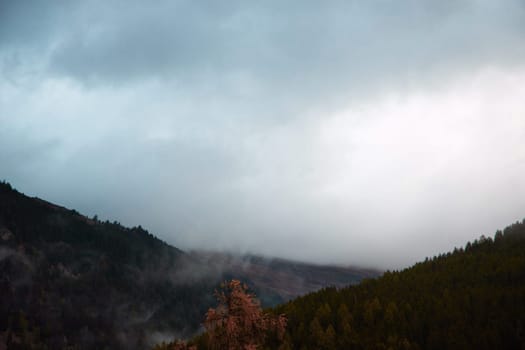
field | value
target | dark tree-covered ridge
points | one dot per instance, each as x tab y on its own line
72	282
470	298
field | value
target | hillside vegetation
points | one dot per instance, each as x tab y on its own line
67	281
471	298
72	282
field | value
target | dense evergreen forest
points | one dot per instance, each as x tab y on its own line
470	298
72	282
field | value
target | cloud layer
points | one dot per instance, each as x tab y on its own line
355	132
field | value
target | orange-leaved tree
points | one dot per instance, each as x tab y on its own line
238	322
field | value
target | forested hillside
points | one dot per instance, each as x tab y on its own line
471	298
68	281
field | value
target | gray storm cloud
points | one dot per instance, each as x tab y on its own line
353	132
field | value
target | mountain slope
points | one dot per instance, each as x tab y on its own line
471	298
280	280
67	281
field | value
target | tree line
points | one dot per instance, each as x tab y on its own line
470	298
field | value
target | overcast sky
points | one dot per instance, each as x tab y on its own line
356	132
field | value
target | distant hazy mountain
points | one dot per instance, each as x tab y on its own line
280	280
68	281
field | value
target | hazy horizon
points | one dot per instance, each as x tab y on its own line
350	132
